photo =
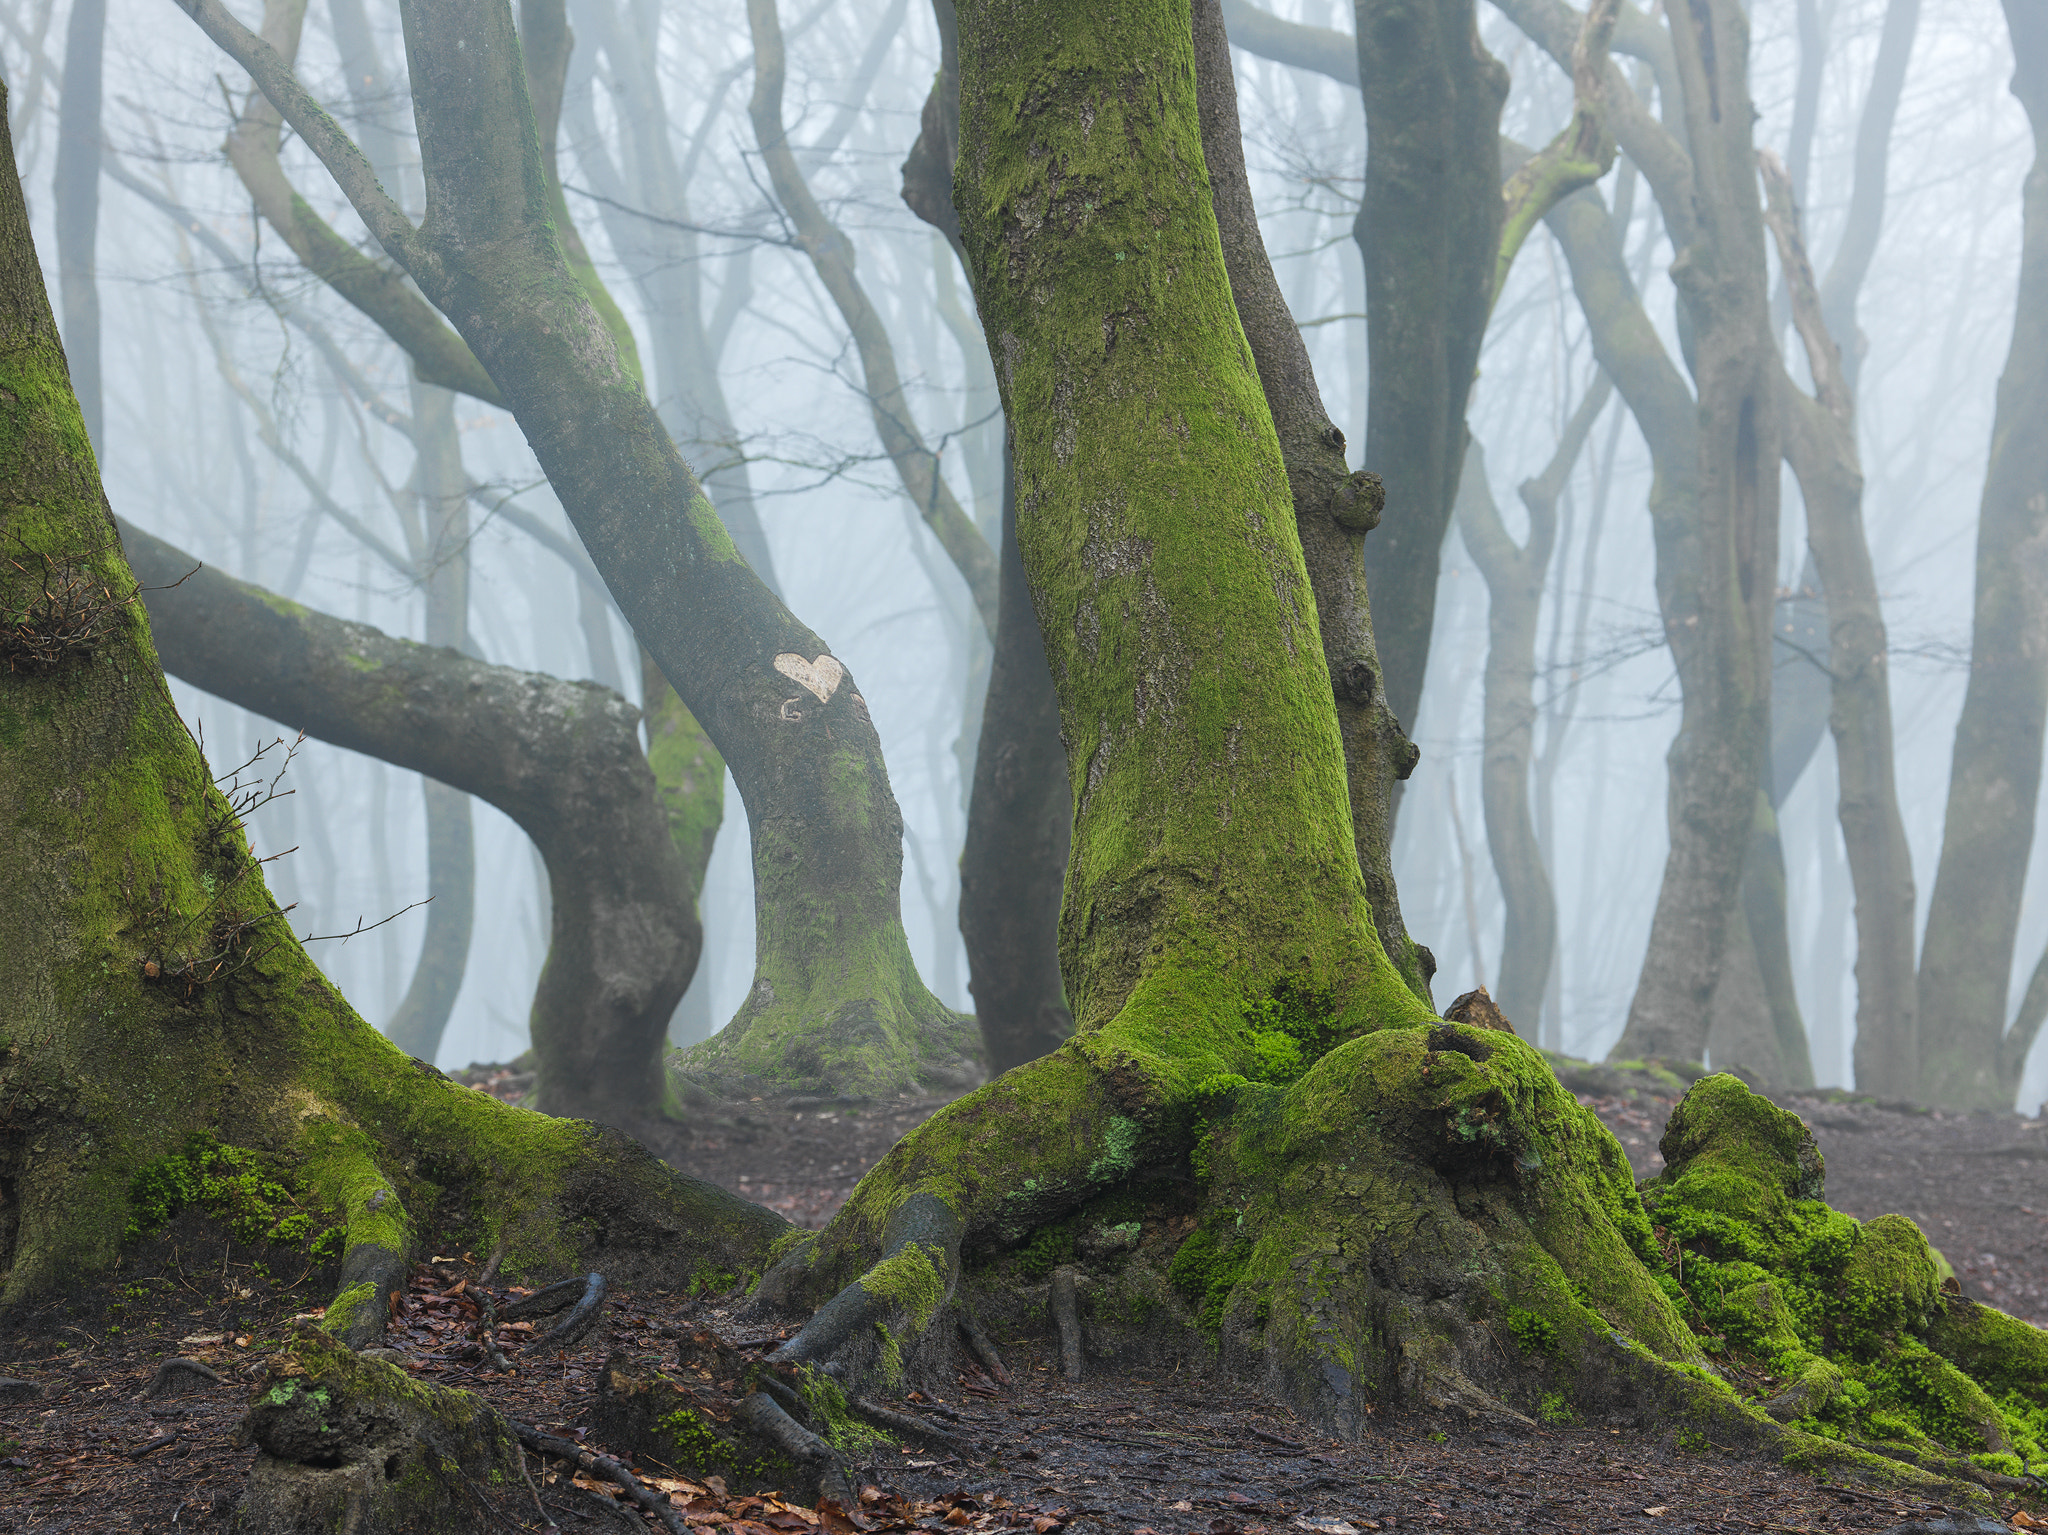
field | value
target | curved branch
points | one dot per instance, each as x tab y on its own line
832	258
1577	157
380	293
560	758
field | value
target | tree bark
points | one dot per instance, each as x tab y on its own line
1333	509
1429	228
1995	780
837	1005
150	991
79	152
1717	596
561	759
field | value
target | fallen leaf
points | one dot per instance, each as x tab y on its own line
2026	1521
1324	1524
202	1338
1659	1511
1182	1507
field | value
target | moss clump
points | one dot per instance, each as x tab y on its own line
1534	1334
1049	1247
1209	1265
243	1189
1838	1325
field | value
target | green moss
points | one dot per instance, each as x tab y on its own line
1533	1334
1209	1265
252	1194
833	1420
1049	1247
913	1282
344	1308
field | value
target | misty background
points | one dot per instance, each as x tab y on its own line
223	413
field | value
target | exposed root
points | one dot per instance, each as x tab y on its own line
581	1318
592	1463
1066	1315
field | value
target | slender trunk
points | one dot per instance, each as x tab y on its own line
1429	229
561	759
662	255
1718	603
1333	509
153	993
832	259
1019	824
1973	917
439	494
1515	577
78	206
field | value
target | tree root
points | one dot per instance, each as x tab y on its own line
1066	1315
592	1463
581	1318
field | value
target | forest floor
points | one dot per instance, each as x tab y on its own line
82	1449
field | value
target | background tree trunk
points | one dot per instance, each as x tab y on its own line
1718	594
439	496
1973	915
1429	228
1020	810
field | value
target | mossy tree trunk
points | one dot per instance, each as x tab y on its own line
150	991
837	1004
560	758
1333	508
1973	914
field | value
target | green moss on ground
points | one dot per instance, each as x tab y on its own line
1843	1327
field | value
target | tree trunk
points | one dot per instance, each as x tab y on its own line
78	204
1428	229
1020	808
1019	826
1515	576
1717	595
1973	916
150	991
1821	446
561	759
439	503
1333	509
836	1005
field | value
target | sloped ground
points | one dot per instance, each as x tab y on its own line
1150	1454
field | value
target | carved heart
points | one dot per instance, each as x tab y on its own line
821	676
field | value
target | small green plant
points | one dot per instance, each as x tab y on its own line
1533	1334
1554	1409
1693	1442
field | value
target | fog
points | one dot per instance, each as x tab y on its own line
221	411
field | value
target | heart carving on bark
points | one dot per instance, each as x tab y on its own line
821	676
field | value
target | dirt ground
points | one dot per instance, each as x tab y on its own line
82	1449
